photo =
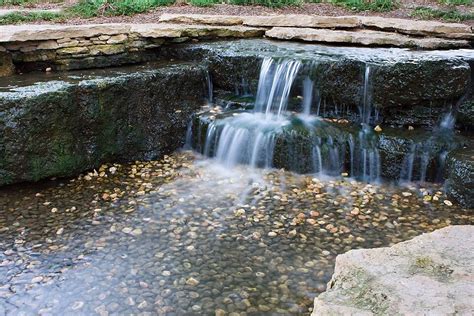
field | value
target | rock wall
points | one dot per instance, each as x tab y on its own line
63	127
428	275
460	176
66	47
37	47
406	88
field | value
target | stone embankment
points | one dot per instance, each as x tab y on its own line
55	125
429	275
65	47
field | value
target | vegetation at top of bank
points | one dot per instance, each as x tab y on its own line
354	5
27	2
451	15
92	8
25	17
367	5
97	8
456	2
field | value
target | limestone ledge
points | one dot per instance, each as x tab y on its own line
362	37
25	33
409	27
65	46
429	275
59	44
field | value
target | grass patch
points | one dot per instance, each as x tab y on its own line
17	17
456	2
451	15
92	8
367	5
268	3
27	2
203	3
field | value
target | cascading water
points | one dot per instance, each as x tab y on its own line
308	86
284	129
210	88
275	83
423	153
249	138
365	157
300	142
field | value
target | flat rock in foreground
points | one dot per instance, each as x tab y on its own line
363	37
431	274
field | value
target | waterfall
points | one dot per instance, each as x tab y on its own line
447	122
248	138
210	89
308	143
188	144
274	85
366	107
307	95
421	154
365	160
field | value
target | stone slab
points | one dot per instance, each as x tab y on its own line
165	30
42	32
410	27
421	28
24	33
299	20
4	12
202	19
431	274
362	37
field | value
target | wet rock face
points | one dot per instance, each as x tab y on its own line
6	65
465	115
414	90
402	84
426	275
460	176
59	128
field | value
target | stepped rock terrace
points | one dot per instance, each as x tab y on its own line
193	167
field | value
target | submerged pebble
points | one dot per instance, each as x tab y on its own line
176	236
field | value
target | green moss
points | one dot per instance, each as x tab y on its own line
60	161
427	266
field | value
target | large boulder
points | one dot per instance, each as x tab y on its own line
428	275
61	128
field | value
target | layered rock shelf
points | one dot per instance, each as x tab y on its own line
84	46
62	125
430	274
